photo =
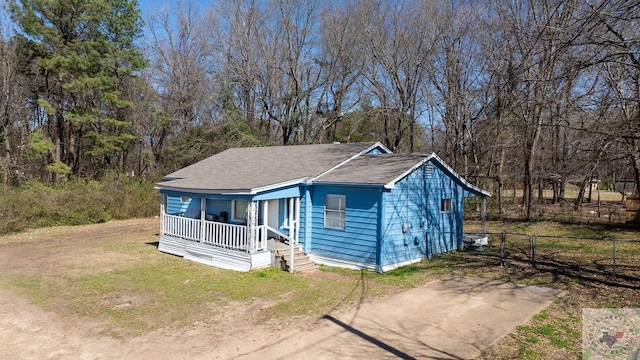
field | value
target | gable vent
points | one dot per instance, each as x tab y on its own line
428	170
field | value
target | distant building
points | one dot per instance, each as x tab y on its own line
625	187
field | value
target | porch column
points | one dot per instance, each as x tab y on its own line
265	212
203	210
163	211
252	222
291	233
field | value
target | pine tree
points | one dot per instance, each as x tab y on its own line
87	57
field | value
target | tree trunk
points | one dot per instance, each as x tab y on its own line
636	170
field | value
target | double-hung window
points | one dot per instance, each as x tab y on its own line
335	207
445	205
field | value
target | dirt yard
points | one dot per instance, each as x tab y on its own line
33	326
28	331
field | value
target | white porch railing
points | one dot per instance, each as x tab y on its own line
183	227
223	235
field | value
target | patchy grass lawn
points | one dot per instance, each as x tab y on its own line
113	273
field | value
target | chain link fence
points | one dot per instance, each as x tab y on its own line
562	254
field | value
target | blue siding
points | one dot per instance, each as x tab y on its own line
176	206
215	204
415	200
304	226
358	241
376	151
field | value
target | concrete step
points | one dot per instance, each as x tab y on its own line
301	261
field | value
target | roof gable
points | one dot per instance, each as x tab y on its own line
388	169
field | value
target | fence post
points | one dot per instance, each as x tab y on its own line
533	251
503	240
615	255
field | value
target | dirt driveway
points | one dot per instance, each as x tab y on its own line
451	318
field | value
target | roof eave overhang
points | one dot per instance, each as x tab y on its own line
344	184
205	191
278	185
161	186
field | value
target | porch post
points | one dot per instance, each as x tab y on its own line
265	212
297	220
291	232
163	211
483	214
252	221
265	221
203	210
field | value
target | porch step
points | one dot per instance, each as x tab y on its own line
301	261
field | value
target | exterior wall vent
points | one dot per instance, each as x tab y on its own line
428	170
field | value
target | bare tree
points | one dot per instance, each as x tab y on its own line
271	65
536	35
614	42
341	53
181	63
397	42
456	83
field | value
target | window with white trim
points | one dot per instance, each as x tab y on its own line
185	199
239	210
335	207
445	205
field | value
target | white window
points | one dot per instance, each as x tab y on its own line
335	211
445	205
239	210
185	199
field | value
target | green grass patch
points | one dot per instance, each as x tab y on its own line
174	292
37	289
554	330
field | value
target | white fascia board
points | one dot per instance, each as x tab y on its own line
205	191
277	186
391	184
377	144
254	191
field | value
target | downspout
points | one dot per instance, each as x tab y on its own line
382	221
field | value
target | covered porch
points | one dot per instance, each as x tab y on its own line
230	233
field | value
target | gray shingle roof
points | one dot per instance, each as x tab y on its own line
372	169
244	169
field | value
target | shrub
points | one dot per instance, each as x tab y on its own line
76	202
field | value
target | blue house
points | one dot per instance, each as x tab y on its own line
353	205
